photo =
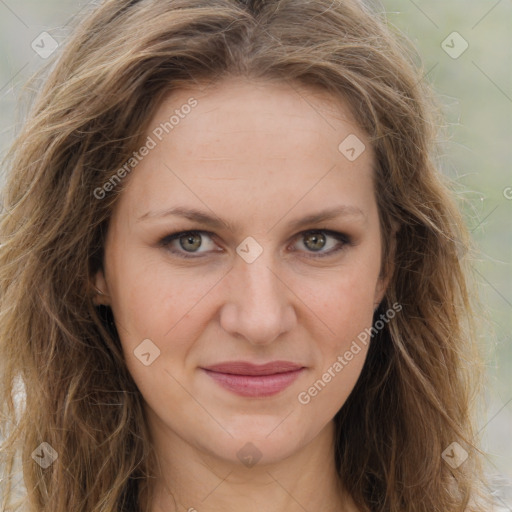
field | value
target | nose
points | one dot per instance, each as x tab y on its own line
259	305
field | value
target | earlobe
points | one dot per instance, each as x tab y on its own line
100	289
384	280
380	291
387	270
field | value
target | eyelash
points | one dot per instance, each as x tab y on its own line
341	237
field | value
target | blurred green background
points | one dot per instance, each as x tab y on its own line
473	84
475	90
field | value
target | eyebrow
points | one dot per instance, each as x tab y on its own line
216	223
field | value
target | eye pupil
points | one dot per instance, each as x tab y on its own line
190	238
315	238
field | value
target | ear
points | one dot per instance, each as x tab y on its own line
388	268
100	289
380	289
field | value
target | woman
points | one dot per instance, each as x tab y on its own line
232	277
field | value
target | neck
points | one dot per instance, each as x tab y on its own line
191	480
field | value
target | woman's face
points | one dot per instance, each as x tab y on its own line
256	283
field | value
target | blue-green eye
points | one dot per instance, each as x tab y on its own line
318	240
315	241
189	242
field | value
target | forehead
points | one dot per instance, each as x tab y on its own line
239	109
256	142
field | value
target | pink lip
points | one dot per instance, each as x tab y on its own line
250	380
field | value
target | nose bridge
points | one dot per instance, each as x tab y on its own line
258	309
259	283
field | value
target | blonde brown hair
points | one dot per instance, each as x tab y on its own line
413	398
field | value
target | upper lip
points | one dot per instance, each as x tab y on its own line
246	368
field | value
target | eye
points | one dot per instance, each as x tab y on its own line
314	241
317	240
189	241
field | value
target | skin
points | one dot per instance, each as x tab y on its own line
259	155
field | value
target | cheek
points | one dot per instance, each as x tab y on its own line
344	304
347	309
150	301
141	290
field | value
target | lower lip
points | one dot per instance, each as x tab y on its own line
255	385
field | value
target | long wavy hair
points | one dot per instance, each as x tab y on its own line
64	380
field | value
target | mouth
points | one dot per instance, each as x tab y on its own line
250	380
